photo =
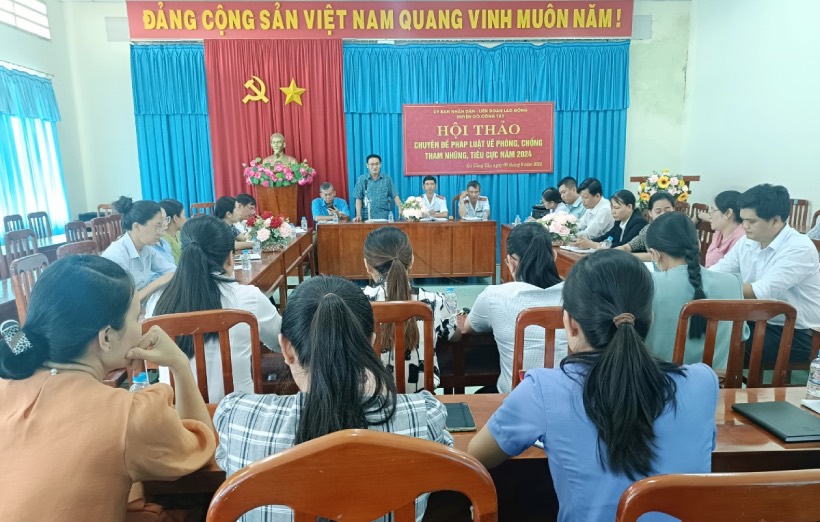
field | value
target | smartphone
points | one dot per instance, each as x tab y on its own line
459	417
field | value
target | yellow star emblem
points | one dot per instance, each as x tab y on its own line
292	92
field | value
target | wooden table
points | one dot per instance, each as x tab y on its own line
563	261
441	248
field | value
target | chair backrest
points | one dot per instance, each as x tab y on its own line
697	208
814	218
20	243
787	496
40	223
198	324
114	223
398	313
25	271
100	233
816	245
76	231
705	234
77	247
738	312
799	215
13	222
682	206
202	208
105	209
550	318
454	204
324	477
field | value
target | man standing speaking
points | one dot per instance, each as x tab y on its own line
377	189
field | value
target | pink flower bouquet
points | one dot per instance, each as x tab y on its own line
562	227
279	174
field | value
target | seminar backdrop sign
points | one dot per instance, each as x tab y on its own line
478	138
380	19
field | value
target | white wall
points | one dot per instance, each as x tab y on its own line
752	107
51	56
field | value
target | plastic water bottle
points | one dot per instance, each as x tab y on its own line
140	382
606	243
390	218
336	217
257	247
304	224
813	386
451	300
246	261
517	220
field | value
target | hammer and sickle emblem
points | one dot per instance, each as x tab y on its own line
258	87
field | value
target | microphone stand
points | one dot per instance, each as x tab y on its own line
367	200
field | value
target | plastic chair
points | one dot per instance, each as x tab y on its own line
357	476
25	272
198	324
20	243
398	313
13	222
738	312
77	247
786	496
799	215
76	231
100	233
40	224
105	209
202	208
550	318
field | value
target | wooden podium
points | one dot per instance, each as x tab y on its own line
279	200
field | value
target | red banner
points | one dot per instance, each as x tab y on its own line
381	19
478	138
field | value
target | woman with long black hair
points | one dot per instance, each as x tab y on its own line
613	413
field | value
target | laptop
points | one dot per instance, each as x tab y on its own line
785	420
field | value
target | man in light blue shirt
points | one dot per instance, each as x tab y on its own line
378	189
327	206
568	188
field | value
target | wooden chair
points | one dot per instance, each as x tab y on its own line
705	235
550	318
697	208
40	223
77	247
326	477
20	243
76	231
25	271
814	218
198	324
13	222
398	313
454	204
787	496
114	223
738	312
105	209
100	233
202	208
799	215
682	206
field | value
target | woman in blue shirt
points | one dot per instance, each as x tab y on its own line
612	414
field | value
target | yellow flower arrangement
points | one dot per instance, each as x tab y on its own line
663	181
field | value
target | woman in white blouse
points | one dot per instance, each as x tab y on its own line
204	281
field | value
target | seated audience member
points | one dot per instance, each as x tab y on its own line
659	203
388	257
598	216
776	262
73	445
227	209
327	205
629	221
568	188
673	247
143	222
434	205
246	206
206	265
531	261
472	204
327	331
551	199
612	413
725	221
169	242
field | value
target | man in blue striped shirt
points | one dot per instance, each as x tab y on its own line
378	189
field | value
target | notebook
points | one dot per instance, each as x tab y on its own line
785	420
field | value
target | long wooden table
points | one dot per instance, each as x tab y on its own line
441	248
563	261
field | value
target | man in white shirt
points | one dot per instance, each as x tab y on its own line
598	216
472	204
434	205
776	262
568	188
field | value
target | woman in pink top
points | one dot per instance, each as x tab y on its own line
725	216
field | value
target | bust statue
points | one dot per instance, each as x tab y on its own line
277	143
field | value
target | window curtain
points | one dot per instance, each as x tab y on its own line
31	173
588	81
171	113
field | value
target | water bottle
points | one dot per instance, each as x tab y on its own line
390	217
606	243
140	382
246	261
813	386
336	217
517	220
304	224
450	300
257	247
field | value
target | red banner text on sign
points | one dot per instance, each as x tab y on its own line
480	138
380	19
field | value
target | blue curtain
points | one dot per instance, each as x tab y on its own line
588	81
31	173
171	113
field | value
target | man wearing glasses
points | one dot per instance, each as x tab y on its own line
327	207
378	191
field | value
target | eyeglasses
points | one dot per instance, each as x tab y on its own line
162	225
